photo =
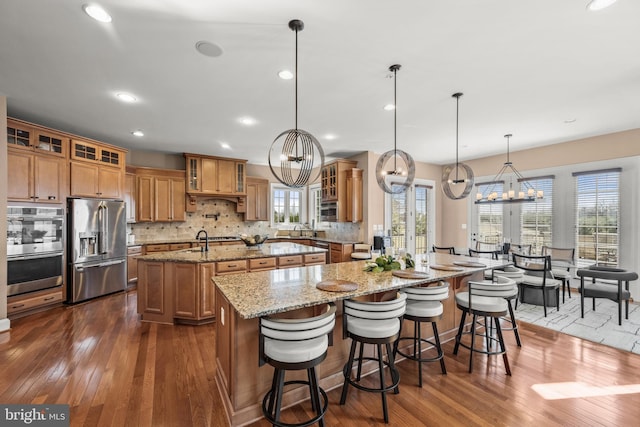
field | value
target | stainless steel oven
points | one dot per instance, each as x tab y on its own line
35	248
329	211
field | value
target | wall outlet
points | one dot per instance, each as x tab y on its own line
464	226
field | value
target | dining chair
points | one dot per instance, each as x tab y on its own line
616	290
562	259
487	246
484	254
444	250
538	276
520	249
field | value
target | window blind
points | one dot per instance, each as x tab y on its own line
598	215
490	214
536	218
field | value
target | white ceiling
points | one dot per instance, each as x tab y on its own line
524	67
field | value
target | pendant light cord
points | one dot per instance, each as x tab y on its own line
395	121
457	115
296	93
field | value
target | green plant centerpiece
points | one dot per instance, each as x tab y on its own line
388	263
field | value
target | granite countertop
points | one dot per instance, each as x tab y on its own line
232	252
169	241
269	292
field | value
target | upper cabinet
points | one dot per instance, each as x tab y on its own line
96	170
257	199
130	194
341	183
36	163
160	195
207	175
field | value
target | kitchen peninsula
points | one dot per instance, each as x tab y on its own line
242	299
176	286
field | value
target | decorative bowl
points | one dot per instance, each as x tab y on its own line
38	234
254	240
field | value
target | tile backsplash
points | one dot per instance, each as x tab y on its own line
219	218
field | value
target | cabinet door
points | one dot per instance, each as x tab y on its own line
163	199
145	199
132	268
51	143
48	179
19	172
84	179
110	182
151	288
252	202
209	175
130	196
185	284
178	200
207	290
19	136
227	177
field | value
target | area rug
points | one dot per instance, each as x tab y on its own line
600	326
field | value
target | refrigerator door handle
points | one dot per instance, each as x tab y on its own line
102	264
107	264
104	232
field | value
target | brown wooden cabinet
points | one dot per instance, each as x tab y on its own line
257	199
160	195
208	175
130	196
340	252
29	137
262	264
97	170
155	302
341	182
132	264
34	177
21	305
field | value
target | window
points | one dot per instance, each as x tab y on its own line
315	200
490	214
410	217
536	217
598	215
287	205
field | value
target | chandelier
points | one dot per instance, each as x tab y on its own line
449	182
295	150
527	193
409	171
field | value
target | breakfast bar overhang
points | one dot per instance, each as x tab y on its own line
243	298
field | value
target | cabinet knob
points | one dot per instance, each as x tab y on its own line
52	197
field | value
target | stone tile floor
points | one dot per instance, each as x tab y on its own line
600	326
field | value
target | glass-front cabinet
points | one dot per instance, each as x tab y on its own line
207	175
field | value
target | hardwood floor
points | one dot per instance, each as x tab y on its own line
114	370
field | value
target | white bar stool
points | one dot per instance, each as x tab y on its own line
517	275
424	305
375	323
295	344
476	302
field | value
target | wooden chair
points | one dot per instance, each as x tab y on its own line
444	250
598	289
562	272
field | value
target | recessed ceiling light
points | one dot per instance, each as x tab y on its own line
285	75
137	133
389	107
225	146
96	12
126	97
570	120
208	49
247	121
330	136
599	4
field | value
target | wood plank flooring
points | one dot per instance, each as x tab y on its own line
114	370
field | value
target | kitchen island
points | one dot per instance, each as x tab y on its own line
242	299
176	286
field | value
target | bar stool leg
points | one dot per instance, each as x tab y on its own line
384	395
315	395
503	348
391	356
360	357
439	348
347	372
459	334
473	341
418	337
513	323
279	393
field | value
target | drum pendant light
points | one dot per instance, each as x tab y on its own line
295	150
405	175
448	178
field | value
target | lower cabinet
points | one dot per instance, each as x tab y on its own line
340	252
132	265
21	305
194	292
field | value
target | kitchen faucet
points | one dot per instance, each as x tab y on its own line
206	240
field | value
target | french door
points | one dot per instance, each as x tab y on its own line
410	217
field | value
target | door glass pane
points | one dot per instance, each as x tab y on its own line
421	219
399	219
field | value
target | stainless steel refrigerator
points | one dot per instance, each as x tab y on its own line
97	248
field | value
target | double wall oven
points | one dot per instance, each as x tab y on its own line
35	248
